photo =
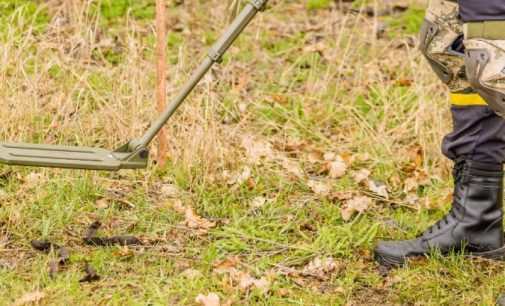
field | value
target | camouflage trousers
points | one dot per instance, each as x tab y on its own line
470	60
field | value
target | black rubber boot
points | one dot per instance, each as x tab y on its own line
474	225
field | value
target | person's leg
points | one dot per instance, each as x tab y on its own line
476	145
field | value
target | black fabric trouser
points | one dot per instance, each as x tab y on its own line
478	134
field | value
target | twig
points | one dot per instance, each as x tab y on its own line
161	37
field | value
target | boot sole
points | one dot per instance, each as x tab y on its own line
395	261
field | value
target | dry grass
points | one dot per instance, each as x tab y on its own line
299	83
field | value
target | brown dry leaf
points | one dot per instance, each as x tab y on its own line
334	165
258	202
319	187
246	282
192	220
330	156
102	203
281	99
178	206
321	268
315	157
416	155
262	284
30	298
361	175
419	178
191	274
255	149
292	167
337	168
319	47
240	177
341	195
412	198
169	191
210	299
293	146
357	204
379	188
228	262
410	184
225	265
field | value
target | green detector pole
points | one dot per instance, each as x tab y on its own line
135	153
215	54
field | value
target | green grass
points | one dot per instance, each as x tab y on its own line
351	96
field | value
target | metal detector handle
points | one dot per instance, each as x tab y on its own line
215	54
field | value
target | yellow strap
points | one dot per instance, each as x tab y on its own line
467	99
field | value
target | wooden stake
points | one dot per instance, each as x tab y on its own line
161	75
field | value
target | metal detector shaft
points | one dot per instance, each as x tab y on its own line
214	55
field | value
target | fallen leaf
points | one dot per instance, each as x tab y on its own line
337	168
315	157
320	268
256	150
263	285
319	187
404	82
30	298
239	177
191	274
178	206
341	195
210	299
169	190
330	156
357	204
292	167
258	202
378	188
102	203
319	47
53	268
419	178
292	146
361	175
412	198
410	184
226	264
192	220
246	282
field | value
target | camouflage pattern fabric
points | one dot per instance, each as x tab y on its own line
441	30
485	66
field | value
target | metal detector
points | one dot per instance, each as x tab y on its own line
134	154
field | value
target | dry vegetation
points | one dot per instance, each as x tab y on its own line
318	135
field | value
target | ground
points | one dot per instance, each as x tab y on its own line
317	136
